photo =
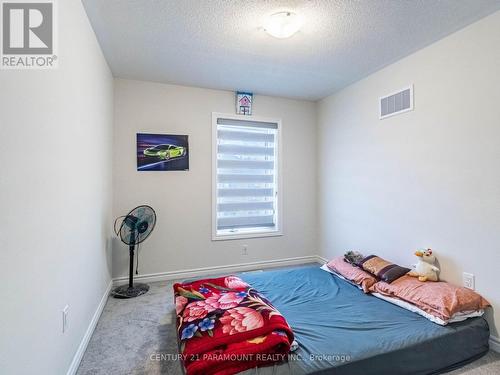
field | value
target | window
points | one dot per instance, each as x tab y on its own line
246	177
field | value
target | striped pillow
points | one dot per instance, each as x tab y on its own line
382	269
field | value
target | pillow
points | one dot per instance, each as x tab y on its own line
440	299
458	317
382	269
324	267
352	273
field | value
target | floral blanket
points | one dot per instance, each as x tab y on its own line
225	326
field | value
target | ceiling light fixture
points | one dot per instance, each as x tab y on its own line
283	24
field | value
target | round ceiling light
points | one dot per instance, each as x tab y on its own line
283	24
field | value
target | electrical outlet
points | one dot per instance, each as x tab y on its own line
65	312
468	280
244	250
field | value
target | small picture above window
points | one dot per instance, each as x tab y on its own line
246	177
244	102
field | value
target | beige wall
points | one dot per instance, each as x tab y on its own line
426	178
56	130
182	238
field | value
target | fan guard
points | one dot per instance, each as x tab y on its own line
135	227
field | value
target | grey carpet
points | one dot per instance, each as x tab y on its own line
137	336
132	332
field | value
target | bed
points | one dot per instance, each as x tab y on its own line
341	330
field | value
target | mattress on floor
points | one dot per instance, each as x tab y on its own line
341	330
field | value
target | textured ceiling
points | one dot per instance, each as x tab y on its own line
221	44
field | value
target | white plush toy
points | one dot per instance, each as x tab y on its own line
425	268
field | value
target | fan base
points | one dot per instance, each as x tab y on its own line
125	291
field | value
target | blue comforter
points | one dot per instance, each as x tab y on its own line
341	330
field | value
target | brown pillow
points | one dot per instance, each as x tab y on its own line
439	298
382	269
352	273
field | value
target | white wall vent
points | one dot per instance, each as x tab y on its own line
396	103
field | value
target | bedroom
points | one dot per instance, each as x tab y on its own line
129	76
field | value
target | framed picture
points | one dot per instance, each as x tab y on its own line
244	102
162	152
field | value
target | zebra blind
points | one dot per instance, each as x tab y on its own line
246	175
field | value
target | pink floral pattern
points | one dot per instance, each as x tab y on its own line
214	314
241	319
180	302
233	282
195	310
200	309
229	300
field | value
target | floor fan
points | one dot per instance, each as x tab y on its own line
134	228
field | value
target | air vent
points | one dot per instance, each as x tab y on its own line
396	103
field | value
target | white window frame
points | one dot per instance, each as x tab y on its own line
257	232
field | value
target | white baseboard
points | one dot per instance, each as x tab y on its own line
88	334
196	272
320	259
495	344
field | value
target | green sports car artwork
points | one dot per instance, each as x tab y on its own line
165	151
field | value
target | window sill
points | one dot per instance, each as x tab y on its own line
239	236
